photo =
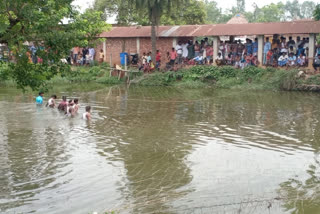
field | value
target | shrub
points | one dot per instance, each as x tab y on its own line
108	80
228	71
312	80
4	71
250	73
282	80
159	79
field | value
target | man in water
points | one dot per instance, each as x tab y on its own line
39	99
76	105
63	105
87	114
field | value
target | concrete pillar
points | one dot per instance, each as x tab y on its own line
215	48
312	42
105	51
174	42
138	46
260	49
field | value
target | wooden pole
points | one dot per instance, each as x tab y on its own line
125	62
110	64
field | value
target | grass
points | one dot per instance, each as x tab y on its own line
229	78
195	77
82	74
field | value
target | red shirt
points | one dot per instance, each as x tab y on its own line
209	51
158	57
173	55
269	55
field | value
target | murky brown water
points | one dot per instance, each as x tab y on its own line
161	150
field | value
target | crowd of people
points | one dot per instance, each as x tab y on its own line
278	53
69	108
84	56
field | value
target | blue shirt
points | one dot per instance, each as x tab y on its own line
249	48
39	100
293	58
255	47
33	50
267	47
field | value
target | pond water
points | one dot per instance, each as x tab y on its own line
161	150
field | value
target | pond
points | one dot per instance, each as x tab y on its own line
161	150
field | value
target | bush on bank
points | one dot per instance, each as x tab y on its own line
194	77
229	77
99	74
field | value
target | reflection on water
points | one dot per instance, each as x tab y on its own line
161	150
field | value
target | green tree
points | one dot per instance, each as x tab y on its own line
41	22
292	10
241	6
269	13
192	12
213	12
306	9
316	13
155	9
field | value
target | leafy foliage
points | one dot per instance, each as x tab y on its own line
316	13
171	12
226	77
41	22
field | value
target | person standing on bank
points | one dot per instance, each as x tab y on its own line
267	47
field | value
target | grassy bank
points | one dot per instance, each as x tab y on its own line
97	74
231	78
193	77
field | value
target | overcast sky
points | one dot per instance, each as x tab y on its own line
225	4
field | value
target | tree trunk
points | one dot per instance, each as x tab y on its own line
153	36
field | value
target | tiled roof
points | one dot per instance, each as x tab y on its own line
238	19
295	27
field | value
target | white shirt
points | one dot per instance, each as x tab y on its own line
204	53
298	44
219	57
50	102
91	51
84	116
185	50
281	58
179	49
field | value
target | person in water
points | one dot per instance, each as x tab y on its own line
76	106
51	102
70	108
87	114
63	105
39	99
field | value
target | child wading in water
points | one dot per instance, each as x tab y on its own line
87	114
76	105
51	102
70	108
